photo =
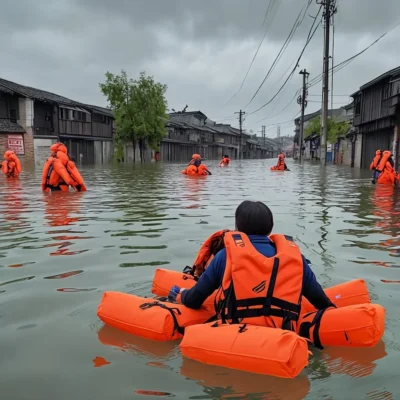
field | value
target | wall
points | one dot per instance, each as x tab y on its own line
344	154
42	149
98	152
26	114
358	151
108	151
129	153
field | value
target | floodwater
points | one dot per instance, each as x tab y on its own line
60	252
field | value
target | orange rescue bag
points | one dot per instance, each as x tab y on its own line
342	295
164	279
361	325
251	348
148	318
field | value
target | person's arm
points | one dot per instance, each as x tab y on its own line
312	290
207	284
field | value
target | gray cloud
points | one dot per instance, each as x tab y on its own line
201	50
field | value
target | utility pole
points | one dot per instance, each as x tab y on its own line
329	10
303	106
263	133
241	113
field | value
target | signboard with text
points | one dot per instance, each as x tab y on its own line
16	144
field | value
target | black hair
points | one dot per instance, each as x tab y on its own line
254	218
226	156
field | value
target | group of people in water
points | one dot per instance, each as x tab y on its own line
59	171
383	170
195	167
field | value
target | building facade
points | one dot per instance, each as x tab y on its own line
192	132
376	115
31	120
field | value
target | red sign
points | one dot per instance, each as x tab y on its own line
16	144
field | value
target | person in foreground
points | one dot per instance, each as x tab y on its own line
262	277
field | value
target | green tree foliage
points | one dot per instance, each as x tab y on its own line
335	128
140	109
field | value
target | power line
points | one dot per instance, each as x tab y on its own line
294	69
346	62
270	6
281	51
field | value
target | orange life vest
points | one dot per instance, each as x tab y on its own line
11	166
382	163
376	160
259	290
211	246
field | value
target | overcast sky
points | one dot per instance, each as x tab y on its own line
200	49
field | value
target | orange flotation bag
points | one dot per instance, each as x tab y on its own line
251	348
76	176
149	318
164	279
361	325
211	246
342	295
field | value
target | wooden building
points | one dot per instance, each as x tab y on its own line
376	115
32	119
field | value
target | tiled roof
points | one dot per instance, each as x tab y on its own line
42	95
6	126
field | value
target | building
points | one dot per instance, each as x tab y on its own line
31	120
376	115
190	132
311	144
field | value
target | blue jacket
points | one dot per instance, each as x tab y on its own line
212	278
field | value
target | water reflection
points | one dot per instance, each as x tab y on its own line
221	383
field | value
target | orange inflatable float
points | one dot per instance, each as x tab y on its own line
360	325
384	172
149	318
11	166
250	343
59	172
195	167
251	348
280	165
225	161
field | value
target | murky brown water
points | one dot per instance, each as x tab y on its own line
59	252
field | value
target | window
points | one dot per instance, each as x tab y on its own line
357	105
101	119
64	113
79	116
13	114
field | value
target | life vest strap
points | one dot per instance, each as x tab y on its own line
316	323
172	310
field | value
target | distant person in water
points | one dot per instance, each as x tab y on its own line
225	161
195	167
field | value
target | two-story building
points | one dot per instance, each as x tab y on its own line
192	132
31	120
377	115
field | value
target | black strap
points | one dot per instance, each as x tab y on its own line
305	328
172	310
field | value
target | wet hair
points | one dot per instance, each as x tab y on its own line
254	218
226	156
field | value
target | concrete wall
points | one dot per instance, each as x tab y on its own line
103	152
358	151
108	152
42	149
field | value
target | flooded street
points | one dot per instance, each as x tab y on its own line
60	252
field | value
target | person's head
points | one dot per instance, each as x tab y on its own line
226	156
254	218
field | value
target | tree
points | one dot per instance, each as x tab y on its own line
335	128
140	109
